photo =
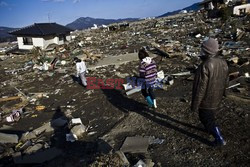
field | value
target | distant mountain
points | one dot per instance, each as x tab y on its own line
194	7
4	34
87	22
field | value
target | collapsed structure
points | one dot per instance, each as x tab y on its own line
112	129
217	8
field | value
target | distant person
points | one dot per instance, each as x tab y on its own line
209	87
148	74
81	70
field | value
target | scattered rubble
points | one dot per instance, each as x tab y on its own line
135	145
38	157
41	100
8	138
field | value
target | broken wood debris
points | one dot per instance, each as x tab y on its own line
170	36
9	98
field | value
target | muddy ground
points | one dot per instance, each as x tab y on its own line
113	116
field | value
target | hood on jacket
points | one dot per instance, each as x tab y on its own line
147	60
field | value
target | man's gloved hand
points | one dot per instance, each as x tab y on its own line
87	72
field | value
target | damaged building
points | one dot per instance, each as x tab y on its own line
41	35
118	26
48	119
241	10
217	8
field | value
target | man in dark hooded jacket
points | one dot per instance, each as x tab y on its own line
209	87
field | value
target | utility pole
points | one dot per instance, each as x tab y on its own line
49	17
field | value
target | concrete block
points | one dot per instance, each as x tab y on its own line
123	158
28	136
79	130
47	128
135	145
33	149
8	138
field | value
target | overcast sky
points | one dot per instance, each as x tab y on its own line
20	13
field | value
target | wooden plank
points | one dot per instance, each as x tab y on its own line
15	107
9	98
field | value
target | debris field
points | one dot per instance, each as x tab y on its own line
48	118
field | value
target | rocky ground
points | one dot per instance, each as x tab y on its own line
112	115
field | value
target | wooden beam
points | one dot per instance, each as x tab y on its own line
9	98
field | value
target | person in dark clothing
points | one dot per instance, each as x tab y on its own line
148	74
209	87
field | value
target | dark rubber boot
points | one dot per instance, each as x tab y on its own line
219	141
